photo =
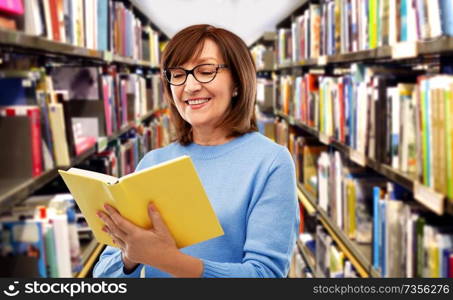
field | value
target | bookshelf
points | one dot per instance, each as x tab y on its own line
19	42
16	191
439	207
135	56
424	49
303	49
308	256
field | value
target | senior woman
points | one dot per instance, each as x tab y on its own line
210	84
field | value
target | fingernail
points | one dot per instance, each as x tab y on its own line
107	207
152	207
105	229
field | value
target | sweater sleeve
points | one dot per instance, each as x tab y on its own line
110	263
272	227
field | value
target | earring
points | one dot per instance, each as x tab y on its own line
235	93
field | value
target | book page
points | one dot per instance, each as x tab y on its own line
99	176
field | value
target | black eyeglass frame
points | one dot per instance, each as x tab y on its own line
218	66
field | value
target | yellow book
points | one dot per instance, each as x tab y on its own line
173	186
351	202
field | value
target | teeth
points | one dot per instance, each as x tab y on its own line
199	101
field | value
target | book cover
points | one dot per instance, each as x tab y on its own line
58	130
186	209
34	116
102	25
33	21
14	7
450	266
446	11
376	227
383	244
323	244
47	19
23	240
395	238
434	18
373	23
449	138
82	83
54	21
420	224
17	91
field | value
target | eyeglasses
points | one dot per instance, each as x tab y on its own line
202	73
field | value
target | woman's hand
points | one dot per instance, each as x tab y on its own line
138	245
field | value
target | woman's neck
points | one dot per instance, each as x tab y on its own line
210	136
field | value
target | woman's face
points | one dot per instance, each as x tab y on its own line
218	91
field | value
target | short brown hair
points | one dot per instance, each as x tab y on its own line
188	43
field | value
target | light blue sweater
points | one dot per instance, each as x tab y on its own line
251	184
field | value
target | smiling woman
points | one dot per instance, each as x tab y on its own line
210	85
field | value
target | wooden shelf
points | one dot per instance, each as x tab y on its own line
87	250
265	70
13	191
309	258
16	41
91	259
359	255
20	40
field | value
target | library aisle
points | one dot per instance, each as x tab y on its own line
360	92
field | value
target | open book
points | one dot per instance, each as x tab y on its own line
173	187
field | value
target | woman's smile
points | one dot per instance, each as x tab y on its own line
197	102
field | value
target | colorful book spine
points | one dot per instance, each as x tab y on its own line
376	228
34	115
446	11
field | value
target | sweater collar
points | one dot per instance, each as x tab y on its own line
211	152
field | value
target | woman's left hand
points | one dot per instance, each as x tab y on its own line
147	246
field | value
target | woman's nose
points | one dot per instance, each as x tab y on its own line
191	85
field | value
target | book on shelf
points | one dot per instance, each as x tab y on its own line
265	91
12	15
266	125
186	210
299	268
263	56
323	244
27	119
81	83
